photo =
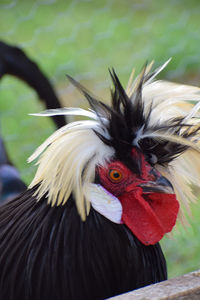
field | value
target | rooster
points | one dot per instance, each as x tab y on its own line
107	189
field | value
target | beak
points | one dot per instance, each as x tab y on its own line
160	185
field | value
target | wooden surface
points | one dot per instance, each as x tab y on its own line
186	287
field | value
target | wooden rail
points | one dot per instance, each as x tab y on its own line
186	287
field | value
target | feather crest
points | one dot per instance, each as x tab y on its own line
156	116
67	164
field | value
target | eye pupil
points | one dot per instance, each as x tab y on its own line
115	175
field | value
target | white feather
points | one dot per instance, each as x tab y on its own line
67	111
157	71
159	135
105	203
64	157
170	100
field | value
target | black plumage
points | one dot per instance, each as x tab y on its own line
49	253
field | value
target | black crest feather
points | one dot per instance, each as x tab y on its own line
126	117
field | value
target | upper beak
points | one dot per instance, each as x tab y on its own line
160	185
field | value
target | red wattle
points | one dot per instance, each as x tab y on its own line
149	219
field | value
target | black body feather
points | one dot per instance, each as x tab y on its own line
49	253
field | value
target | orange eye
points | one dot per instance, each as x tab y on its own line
115	175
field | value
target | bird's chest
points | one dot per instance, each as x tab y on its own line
111	260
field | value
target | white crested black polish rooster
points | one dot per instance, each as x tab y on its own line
105	193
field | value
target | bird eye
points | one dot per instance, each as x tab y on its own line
115	175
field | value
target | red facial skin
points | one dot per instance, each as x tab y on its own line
148	215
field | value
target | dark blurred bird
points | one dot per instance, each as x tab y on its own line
14	61
105	193
11	185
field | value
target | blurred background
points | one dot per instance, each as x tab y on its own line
83	38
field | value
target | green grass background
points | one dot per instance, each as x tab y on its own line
83	39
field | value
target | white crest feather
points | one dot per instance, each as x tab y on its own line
67	164
168	100
67	111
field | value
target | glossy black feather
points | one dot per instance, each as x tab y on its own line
126	116
49	253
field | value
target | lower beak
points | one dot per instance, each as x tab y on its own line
160	185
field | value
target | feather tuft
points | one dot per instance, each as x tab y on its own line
158	117
67	164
